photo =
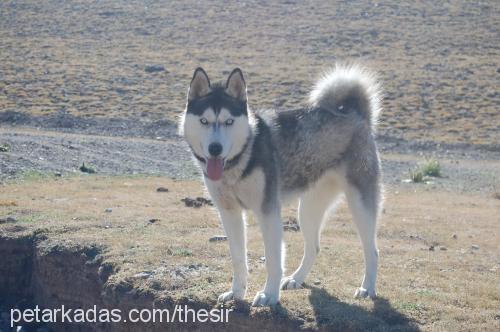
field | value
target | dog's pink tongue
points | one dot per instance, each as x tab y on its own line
214	168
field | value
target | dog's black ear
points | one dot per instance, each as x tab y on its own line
235	85
200	84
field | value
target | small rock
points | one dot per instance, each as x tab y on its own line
218	238
196	202
154	68
475	247
293	228
454	236
87	169
291	224
189	202
204	200
162	190
8	219
317	282
108	210
142	275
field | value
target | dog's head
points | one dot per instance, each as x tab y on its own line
215	123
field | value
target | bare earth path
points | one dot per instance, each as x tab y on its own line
465	169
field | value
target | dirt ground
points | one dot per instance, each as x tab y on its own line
439	266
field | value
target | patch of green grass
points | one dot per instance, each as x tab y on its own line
429	168
33	217
4	148
32	175
183	252
87	169
410	306
416	176
425	292
35	175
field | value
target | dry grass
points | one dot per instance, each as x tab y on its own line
452	287
438	63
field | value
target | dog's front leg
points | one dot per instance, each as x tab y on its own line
272	232
234	226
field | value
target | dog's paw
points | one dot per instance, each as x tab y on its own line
228	296
364	293
290	283
263	299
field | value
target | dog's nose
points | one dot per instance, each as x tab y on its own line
215	149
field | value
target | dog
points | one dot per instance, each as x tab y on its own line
257	160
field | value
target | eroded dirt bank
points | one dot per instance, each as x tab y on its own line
37	271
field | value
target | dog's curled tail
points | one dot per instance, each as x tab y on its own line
346	89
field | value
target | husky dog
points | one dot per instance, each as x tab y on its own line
256	160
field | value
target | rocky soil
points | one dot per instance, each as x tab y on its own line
121	146
439	62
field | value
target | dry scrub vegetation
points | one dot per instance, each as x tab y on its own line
438	61
439	266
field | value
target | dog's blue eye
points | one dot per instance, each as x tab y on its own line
204	121
229	122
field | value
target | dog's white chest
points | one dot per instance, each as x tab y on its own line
247	192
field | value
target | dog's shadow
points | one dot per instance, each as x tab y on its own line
334	315
331	314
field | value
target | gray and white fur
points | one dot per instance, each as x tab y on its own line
257	160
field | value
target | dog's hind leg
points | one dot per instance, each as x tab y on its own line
312	209
234	226
364	205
